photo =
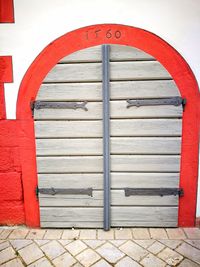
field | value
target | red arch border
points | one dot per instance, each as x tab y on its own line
111	34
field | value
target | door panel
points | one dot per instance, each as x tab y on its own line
142	122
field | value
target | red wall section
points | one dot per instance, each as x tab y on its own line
11	212
11	197
11	186
9	160
9	133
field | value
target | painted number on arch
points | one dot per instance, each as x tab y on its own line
108	34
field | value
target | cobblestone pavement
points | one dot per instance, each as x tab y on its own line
132	247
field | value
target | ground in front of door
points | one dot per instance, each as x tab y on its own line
130	247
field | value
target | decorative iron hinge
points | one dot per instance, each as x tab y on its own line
32	107
37	191
57	105
65	191
153	192
175	101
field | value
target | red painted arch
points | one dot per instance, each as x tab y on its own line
112	34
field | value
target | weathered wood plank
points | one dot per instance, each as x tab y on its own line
138	71
117	199
84	72
137	163
49	224
157	216
71	214
142	163
69	164
117	52
126	127
72	200
148	127
118	180
118	90
73	180
145	145
68	129
144	215
118	109
172	223
70	225
119	145
64	147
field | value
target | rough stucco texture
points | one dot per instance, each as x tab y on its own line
11	197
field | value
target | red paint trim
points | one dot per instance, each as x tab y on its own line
6	11
6	76
96	35
29	173
2	103
6	69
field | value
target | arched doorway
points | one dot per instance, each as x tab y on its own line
121	35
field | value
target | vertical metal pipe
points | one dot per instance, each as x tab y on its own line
106	134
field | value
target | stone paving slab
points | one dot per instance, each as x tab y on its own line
129	247
151	261
30	253
110	253
101	234
158	233
156	247
176	233
171	257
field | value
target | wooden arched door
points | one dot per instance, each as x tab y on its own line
115	157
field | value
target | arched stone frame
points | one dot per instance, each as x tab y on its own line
123	35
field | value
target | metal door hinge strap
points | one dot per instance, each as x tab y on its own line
175	101
59	105
153	191
67	191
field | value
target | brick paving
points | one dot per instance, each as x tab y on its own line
130	247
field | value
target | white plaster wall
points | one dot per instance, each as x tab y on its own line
38	22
